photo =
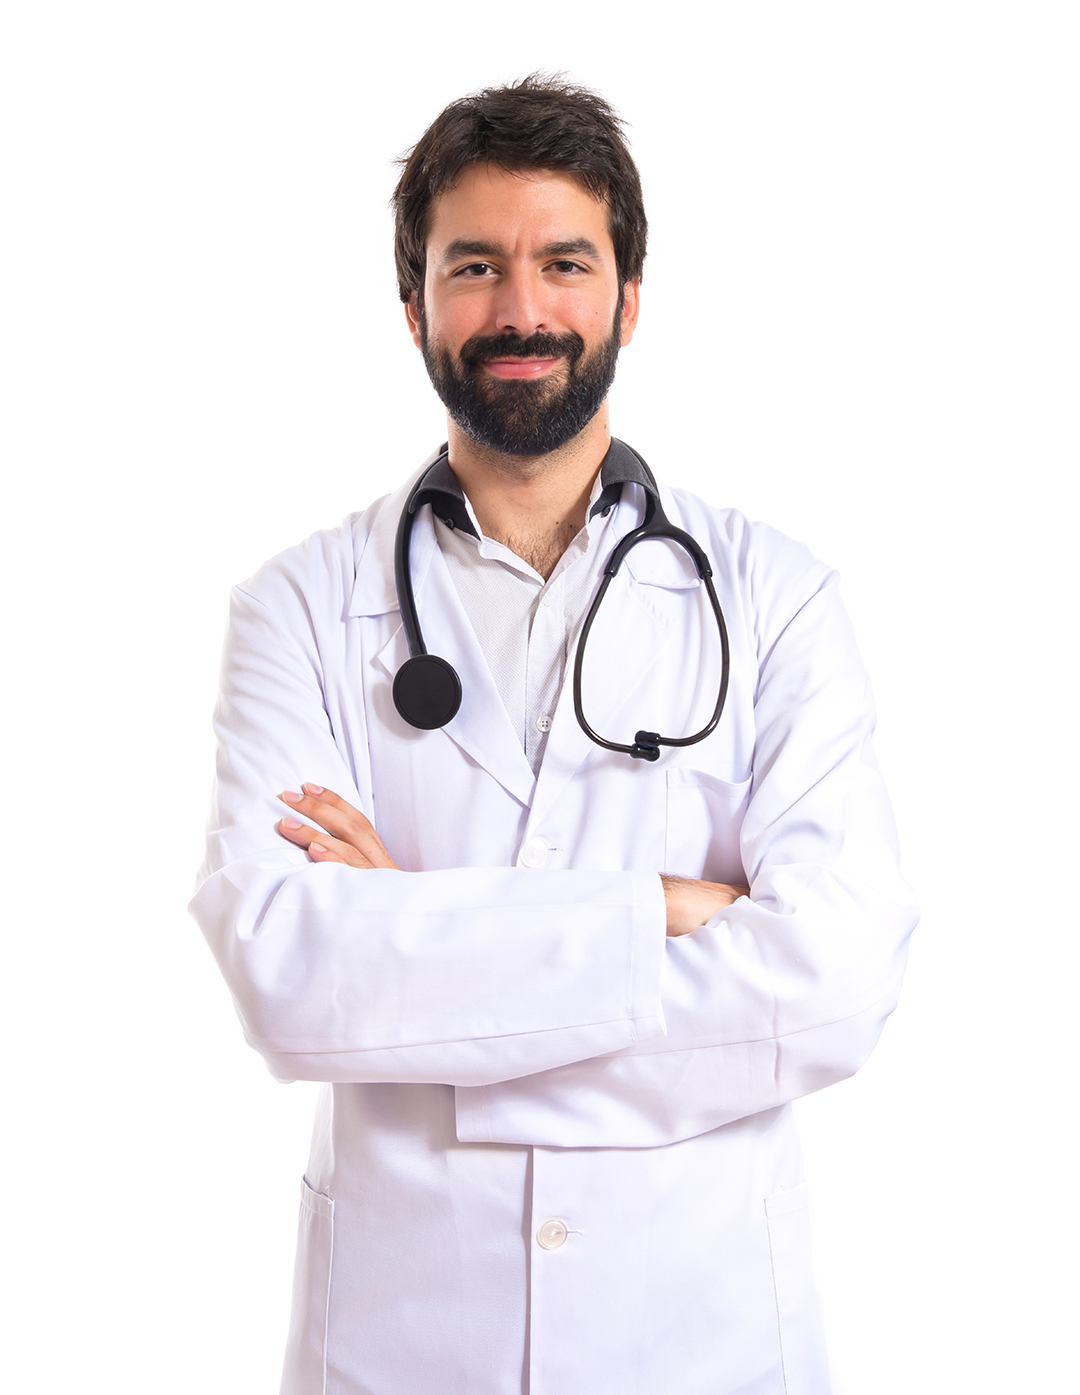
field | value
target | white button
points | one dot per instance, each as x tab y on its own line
551	1235
543	724
535	853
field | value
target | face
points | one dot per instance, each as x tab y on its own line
523	314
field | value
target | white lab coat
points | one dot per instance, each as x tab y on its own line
511	1042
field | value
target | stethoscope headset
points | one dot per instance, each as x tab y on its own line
427	690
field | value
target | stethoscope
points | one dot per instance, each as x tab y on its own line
427	690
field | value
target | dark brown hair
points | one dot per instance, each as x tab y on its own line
537	123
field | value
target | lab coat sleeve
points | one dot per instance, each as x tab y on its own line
462	976
783	992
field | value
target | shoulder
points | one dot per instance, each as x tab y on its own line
775	574
318	575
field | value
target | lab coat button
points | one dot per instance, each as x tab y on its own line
551	1235
535	853
543	724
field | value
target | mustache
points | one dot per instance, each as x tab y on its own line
482	348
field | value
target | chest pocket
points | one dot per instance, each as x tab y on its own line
704	819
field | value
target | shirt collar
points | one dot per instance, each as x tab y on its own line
439	487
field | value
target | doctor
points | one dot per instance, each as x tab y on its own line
563	997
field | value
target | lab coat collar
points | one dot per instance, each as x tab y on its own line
621	466
374	591
439	487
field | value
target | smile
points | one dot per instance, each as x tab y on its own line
520	367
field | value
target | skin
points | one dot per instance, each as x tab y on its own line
513	254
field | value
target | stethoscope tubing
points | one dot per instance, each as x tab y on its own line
403	579
656	526
427	690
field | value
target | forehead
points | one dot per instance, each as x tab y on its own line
520	209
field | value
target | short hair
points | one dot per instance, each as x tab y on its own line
536	123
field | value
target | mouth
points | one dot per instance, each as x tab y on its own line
519	367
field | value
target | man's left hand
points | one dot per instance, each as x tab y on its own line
349	838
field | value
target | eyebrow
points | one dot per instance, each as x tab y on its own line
466	247
576	247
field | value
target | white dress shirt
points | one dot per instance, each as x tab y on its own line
527	627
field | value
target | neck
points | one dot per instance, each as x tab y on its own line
534	505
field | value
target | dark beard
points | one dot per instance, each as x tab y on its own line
522	416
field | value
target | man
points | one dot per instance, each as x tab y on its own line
564	995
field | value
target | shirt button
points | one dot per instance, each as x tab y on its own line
551	1235
535	853
543	724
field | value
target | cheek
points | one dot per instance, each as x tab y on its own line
592	317
457	319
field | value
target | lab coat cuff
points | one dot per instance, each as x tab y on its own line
477	1106
648	946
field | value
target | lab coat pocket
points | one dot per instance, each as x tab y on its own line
305	1354
704	819
802	1338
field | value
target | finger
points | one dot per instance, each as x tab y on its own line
341	806
340	819
326	849
320	852
335	814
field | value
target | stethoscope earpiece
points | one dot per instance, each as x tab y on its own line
427	691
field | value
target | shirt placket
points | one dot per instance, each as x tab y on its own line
544	667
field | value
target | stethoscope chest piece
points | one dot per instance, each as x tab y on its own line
427	691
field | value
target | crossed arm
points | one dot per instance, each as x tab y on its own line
350	838
577	1029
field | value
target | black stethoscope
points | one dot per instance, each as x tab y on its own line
427	690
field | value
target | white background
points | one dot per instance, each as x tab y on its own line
860	323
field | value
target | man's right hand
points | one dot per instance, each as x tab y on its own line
691	903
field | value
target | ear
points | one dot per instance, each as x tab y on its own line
412	316
630	309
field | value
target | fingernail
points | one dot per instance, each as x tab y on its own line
291	797
291	823
316	847
313	789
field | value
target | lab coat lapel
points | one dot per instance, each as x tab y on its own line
481	728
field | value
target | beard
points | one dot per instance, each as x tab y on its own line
522	416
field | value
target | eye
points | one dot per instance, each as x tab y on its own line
567	268
474	269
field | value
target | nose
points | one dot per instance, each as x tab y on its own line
521	305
